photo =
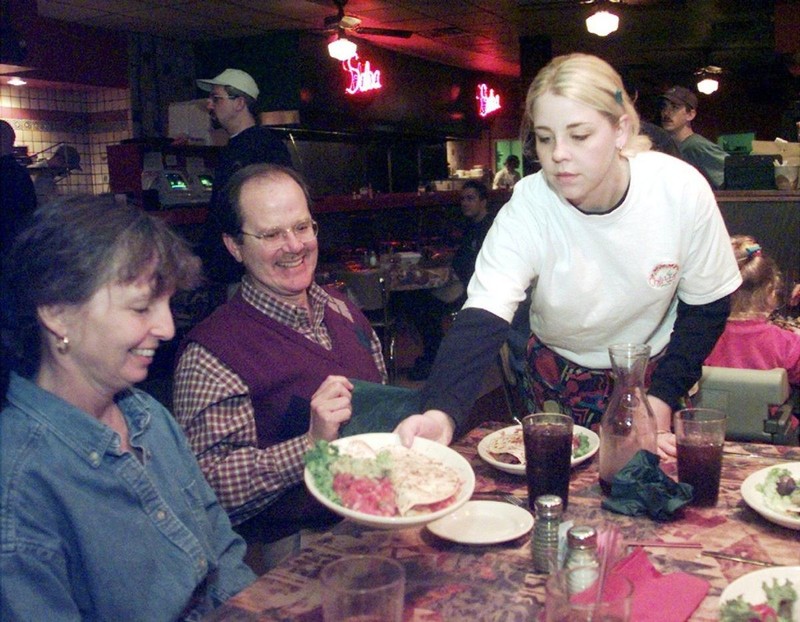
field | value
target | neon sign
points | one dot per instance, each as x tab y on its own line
362	77
488	101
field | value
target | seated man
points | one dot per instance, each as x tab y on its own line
678	110
266	375
427	308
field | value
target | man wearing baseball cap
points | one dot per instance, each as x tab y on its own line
232	97
678	109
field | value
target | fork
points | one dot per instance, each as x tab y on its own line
503	496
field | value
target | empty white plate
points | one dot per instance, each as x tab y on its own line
483	522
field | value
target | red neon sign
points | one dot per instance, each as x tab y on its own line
488	101
362	77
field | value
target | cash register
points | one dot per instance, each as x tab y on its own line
176	187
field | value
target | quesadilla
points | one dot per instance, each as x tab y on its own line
420	482
508	447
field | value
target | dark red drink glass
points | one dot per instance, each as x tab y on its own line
548	455
700	436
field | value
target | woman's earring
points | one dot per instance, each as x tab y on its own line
63	345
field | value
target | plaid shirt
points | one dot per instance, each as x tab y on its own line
213	405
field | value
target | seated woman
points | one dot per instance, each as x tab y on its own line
750	340
105	513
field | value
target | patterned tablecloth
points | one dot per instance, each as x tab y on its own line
447	581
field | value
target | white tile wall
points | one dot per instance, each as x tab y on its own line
76	124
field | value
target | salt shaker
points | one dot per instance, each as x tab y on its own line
582	554
548	510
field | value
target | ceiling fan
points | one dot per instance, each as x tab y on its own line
351	25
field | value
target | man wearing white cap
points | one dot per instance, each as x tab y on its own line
232	106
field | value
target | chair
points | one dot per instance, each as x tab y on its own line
369	290
758	403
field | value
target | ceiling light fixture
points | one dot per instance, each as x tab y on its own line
602	23
707	79
341	48
15	81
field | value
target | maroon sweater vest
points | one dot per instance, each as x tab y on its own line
280	367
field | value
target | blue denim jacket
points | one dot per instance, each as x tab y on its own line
88	532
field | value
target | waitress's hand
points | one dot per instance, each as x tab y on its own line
331	406
435	425
665	439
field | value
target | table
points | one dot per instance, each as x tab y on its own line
447	581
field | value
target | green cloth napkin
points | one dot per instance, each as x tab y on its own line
641	487
379	407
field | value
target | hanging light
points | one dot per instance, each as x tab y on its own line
341	48
16	81
602	23
707	85
707	81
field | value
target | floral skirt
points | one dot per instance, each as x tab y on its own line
577	391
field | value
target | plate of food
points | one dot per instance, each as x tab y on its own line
374	480
774	492
770	594
483	522
505	450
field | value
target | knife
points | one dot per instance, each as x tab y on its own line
736	558
758	457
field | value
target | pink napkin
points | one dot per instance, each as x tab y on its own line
660	597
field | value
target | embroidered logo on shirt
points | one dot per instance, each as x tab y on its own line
663	275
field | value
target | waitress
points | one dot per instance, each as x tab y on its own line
619	244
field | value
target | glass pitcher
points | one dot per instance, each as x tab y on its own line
628	424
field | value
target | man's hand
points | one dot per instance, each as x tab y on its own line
432	424
331	406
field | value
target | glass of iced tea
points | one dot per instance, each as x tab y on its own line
548	455
568	600
362	588
700	435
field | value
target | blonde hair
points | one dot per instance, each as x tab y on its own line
762	281
591	81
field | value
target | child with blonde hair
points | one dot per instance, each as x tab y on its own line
750	340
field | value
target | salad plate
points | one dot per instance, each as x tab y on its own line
483	522
585	444
759	491
426	464
764	594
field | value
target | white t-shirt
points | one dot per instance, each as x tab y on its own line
505	179
607	278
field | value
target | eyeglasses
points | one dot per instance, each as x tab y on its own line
304	231
218	98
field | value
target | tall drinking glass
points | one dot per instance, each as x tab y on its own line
548	455
700	435
367	588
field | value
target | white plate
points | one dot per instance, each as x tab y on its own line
519	469
437	451
749	586
755	498
483	522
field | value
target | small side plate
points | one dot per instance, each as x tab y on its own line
483	522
